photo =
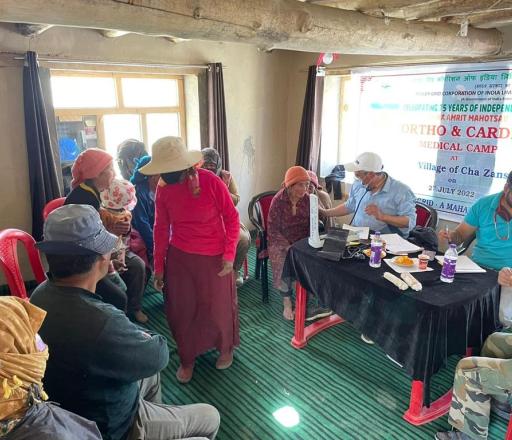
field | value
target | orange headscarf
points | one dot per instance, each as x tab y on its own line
89	164
294	175
22	365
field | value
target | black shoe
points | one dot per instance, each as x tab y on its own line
317	312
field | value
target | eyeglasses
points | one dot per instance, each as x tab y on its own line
504	238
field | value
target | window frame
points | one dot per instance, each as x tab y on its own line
120	108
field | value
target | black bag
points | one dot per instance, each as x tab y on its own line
424	237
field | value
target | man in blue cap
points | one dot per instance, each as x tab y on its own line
102	366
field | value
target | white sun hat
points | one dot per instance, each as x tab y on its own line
170	154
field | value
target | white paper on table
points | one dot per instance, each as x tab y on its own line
464	265
361	231
398	245
403	269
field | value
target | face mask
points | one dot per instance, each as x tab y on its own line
364	185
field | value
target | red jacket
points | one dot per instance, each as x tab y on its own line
206	225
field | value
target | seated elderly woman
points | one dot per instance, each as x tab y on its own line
24	414
288	222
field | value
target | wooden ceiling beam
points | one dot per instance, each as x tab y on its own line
269	24
448	8
487	20
369	5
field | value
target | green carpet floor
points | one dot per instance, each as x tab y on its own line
340	387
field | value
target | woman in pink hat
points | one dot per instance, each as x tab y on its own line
195	233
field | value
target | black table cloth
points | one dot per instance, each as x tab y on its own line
420	330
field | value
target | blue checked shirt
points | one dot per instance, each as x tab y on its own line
394	198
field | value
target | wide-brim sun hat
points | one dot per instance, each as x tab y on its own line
369	162
169	155
76	230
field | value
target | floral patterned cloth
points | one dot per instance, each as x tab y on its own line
120	195
284	229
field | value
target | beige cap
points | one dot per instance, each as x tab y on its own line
170	154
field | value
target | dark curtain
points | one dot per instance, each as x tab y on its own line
42	160
46	86
217	130
308	151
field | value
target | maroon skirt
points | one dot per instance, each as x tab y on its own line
201	307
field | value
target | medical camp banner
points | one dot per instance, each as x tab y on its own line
446	130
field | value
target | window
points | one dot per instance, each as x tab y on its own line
104	109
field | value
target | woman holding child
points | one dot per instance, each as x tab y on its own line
93	172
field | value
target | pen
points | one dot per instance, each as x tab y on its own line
447	232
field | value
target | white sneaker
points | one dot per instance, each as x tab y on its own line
367	339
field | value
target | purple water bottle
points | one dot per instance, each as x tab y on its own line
449	263
375	250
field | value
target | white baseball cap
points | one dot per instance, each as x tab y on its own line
366	162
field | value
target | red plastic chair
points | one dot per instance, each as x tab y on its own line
52	205
9	260
426	216
259	208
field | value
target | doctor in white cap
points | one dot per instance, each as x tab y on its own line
376	199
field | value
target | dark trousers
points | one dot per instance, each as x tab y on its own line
135	280
111	293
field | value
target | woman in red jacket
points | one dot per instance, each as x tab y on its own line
195	234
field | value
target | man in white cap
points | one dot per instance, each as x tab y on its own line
102	366
376	199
